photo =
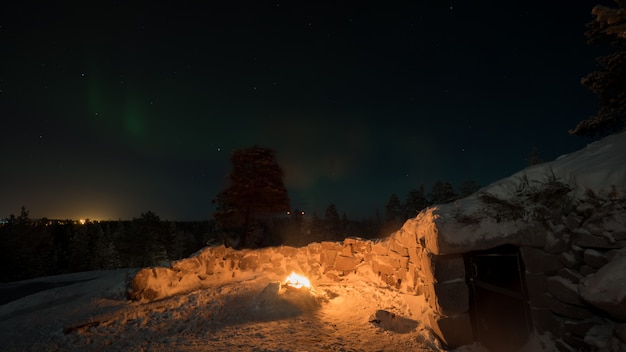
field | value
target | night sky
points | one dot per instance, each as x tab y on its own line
111	109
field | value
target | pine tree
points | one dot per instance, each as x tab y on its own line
415	202
393	210
609	83
468	187
442	192
256	189
332	222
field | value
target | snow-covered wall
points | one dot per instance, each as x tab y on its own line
400	261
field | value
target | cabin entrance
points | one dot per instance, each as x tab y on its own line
498	301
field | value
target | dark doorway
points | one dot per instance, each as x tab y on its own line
498	303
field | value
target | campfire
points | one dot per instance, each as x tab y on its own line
296	281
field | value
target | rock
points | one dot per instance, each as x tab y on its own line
187	265
580	328
564	290
543	320
572	275
586	270
620	332
594	258
556	242
568	259
570	310
448	267
538	261
452	297
249	262
343	263
600	337
269	295
584	238
606	289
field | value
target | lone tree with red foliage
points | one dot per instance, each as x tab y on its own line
256	190
608	27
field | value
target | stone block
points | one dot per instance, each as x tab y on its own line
539	261
346	250
220	251
187	265
414	254
399	248
394	261
331	245
587	270
584	238
265	255
455	331
564	290
544	320
562	346
406	237
380	267
314	248
249	262
569	259
606	290
427	267
277	260
380	248
333	276
572	275
599	338
620	332
569	310
287	251
404	263
359	245
619	235
556	243
139	284
452	297
536	289
327	257
572	221
580	328
448	267
343	263
594	259
210	266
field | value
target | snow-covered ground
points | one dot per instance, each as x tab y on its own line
253	314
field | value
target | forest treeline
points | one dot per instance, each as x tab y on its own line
41	247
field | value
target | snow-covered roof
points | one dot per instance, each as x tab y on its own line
462	226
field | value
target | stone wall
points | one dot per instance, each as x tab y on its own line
584	248
399	261
567	253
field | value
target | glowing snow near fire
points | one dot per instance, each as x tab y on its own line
297	281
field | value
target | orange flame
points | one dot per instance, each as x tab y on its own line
297	281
